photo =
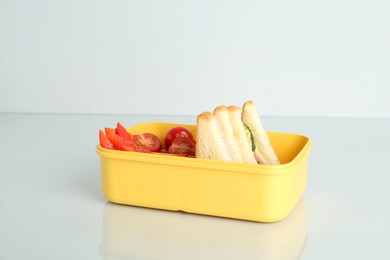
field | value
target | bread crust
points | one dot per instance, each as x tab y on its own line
234	109
248	105
220	108
205	116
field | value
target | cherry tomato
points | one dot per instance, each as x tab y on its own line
122	132
176	132
147	141
104	142
183	146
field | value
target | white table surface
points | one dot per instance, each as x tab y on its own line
52	207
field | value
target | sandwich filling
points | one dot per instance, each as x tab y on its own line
251	140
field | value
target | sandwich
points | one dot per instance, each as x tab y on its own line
234	134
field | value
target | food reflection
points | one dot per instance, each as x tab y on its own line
142	233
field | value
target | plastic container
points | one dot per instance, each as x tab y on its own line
235	190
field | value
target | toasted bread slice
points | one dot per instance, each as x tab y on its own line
221	114
240	136
251	118
209	142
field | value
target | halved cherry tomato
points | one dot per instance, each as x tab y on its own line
129	139
147	141
183	146
176	132
104	142
118	142
122	132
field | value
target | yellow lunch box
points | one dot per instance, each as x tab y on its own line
262	193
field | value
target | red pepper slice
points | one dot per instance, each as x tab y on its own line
118	142
122	132
104	142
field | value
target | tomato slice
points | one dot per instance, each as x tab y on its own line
183	146
118	142
104	142
174	133
122	132
147	141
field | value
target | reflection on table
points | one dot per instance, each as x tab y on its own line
142	233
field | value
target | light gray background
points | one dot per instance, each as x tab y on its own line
294	58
